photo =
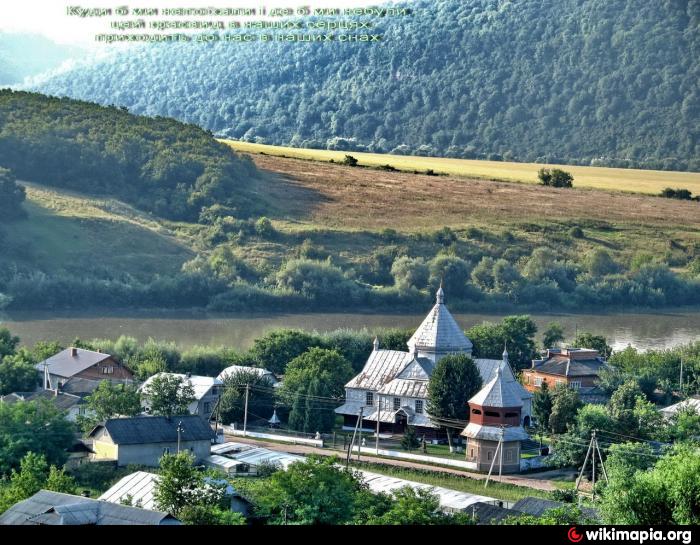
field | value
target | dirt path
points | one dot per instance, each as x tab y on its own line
531	481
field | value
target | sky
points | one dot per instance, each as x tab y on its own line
49	17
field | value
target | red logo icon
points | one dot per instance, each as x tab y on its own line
573	535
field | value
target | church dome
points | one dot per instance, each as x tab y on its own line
440	333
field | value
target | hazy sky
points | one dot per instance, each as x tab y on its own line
49	17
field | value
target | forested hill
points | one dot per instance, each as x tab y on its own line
582	81
160	165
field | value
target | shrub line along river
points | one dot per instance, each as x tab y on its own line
643	331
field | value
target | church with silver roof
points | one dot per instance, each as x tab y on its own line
393	385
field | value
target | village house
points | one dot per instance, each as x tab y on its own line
73	405
393	385
46	508
207	391
142	440
79	371
577	368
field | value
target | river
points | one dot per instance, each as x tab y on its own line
643	331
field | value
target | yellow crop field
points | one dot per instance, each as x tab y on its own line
619	179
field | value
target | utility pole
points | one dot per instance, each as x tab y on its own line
352	441
681	380
179	432
245	413
495	454
379	408
500	461
359	437
593	448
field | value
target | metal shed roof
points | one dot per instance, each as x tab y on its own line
54	508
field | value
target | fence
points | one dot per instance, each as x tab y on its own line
275	437
417	457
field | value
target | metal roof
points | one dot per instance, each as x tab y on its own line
450	499
690	403
439	332
233	369
406	388
140	487
54	508
498	392
200	384
564	366
65	364
140	430
256	456
61	400
226	448
381	367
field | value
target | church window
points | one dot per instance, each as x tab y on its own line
476	411
397	403
419	406
492	413
369	398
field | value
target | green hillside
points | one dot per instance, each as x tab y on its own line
590	82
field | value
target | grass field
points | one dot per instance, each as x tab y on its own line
67	231
639	181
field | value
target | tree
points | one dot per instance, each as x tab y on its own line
8	343
515	332
542	407
17	373
555	177
330	371
276	349
34	426
232	401
313	491
622	404
168	395
600	263
565	404
410	272
409	441
553	335
12	195
572	446
182	486
34	475
665	494
454	381
596	342
566	515
109	400
410	506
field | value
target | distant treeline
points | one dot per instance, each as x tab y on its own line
595	82
160	165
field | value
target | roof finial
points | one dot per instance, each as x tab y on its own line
376	344
440	295
505	351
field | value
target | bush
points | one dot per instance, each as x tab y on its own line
681	194
576	232
350	161
555	177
